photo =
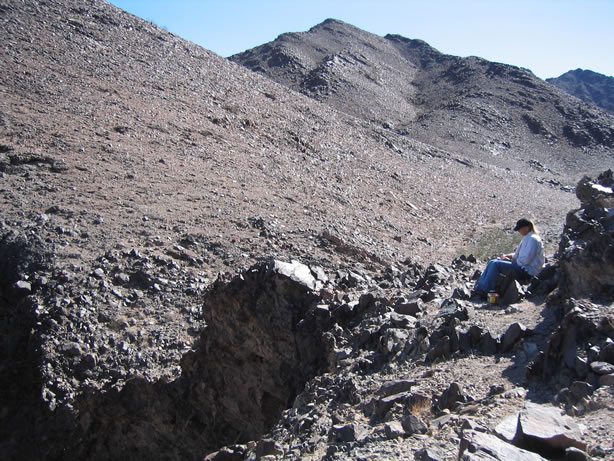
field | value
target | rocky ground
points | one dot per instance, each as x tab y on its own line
416	370
143	179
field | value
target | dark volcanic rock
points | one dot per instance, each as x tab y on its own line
413	307
602	368
23	417
412	424
513	334
395	387
586	250
589	86
565	355
261	342
451	397
453	309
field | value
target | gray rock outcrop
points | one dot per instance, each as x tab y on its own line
260	346
586	250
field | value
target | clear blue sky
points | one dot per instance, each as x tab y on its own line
548	37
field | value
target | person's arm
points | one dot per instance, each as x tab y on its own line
511	256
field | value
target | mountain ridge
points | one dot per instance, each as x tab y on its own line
414	89
589	86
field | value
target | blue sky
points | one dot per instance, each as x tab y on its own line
548	37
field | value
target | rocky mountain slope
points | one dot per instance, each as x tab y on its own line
146	185
589	86
484	110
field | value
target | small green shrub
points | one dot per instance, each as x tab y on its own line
494	242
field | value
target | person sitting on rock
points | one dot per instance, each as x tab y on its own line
528	260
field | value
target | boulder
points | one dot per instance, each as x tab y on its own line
393	340
575	454
380	406
511	294
394	430
395	387
470	424
470	338
267	447
581	367
402	320
606	380
596	193
506	429
413	307
606	354
23	287
488	345
480	446
580	390
453	308
602	368
441	421
434	276
261	344
412	424
451	397
442	348
514	333
461	293
564	354
429	454
543	429
295	271
344	433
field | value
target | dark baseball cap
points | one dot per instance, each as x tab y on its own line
522	223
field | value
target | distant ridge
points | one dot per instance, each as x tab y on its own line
485	110
589	86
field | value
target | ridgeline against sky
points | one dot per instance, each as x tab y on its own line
548	37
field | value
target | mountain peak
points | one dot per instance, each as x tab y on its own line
343	32
589	86
332	23
408	85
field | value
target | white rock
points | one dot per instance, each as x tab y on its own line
296	271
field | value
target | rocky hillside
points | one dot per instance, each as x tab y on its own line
167	141
154	198
589	86
430	374
480	109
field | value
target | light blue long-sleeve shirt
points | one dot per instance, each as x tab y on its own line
530	254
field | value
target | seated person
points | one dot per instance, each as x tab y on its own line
528	260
